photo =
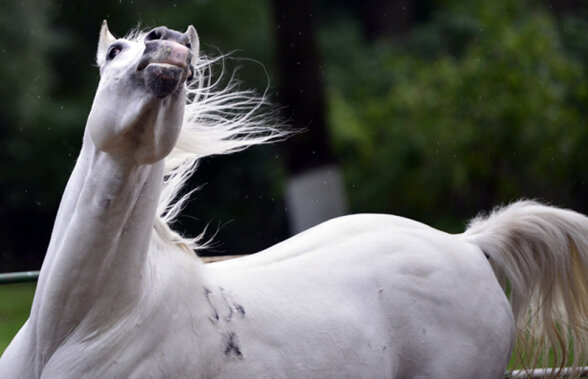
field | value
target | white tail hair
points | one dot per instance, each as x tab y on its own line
219	118
540	254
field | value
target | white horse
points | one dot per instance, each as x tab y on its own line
121	295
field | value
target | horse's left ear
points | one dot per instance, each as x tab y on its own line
104	41
194	41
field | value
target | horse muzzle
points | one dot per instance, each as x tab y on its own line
165	65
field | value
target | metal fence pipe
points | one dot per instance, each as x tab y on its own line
32	276
19	277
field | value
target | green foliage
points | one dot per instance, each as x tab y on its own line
494	112
16	302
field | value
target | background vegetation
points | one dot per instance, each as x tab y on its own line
483	104
434	110
15	300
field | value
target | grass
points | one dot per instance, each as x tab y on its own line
15	307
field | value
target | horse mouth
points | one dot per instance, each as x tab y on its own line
146	63
165	68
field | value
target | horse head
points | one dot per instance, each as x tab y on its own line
139	105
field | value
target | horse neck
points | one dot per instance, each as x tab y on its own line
97	255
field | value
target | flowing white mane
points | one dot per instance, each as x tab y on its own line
219	118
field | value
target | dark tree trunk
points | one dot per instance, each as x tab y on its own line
301	88
387	18
314	190
577	7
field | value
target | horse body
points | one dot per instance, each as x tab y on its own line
368	296
121	295
380	302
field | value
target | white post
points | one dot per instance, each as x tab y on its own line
315	196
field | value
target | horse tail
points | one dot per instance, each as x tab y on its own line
539	254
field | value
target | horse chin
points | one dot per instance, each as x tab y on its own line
163	79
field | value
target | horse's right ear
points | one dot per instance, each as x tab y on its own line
104	41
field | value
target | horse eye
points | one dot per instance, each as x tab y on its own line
189	45
113	52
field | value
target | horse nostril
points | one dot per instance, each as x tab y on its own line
153	35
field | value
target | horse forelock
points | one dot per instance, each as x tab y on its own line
137	34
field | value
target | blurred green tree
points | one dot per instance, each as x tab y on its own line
481	106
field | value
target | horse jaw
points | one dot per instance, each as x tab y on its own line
132	117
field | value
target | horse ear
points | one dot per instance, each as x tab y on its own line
194	41
105	40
